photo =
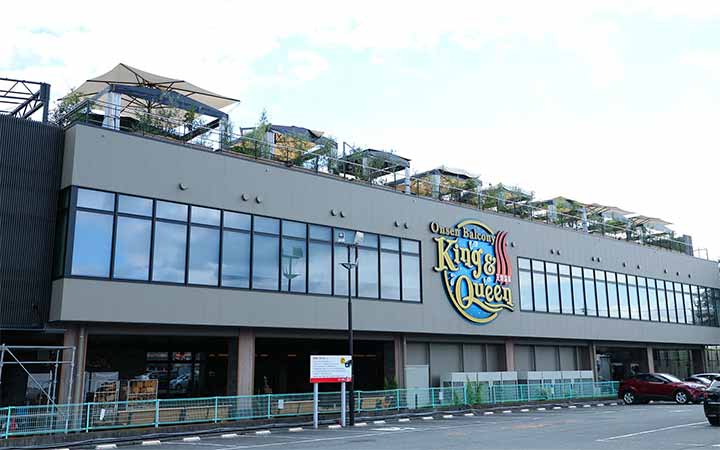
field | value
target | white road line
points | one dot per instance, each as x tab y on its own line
600	404
469	415
525	410
639	433
557	407
572	406
542	409
507	411
334	427
586	406
191	439
105	446
404	420
361	424
295	429
488	413
262	432
378	422
447	416
229	435
428	418
613	404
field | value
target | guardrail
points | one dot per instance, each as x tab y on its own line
86	417
223	138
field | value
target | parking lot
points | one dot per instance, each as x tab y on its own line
655	426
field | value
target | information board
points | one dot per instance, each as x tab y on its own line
330	368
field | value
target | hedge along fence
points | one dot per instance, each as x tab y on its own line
86	417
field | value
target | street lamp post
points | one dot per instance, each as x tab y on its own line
350	265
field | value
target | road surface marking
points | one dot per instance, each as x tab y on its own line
378	422
361	424
639	433
295	429
469	415
229	435
428	418
488	413
572	406
404	420
525	410
557	407
191	439
507	411
105	446
334	427
586	406
447	416
262	432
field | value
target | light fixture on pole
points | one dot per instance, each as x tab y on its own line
350	265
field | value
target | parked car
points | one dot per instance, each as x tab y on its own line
711	405
699	380
712	376
644	387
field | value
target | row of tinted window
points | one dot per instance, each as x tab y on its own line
559	288
133	238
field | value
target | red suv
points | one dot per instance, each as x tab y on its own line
644	387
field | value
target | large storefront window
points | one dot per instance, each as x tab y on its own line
592	292
123	237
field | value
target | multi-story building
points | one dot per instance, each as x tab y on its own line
219	273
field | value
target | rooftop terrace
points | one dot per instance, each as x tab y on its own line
173	111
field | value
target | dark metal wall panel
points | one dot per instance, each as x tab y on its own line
30	167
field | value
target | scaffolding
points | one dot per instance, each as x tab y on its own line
22	98
10	351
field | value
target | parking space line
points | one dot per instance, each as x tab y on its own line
640	433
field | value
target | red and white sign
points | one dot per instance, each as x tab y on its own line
330	368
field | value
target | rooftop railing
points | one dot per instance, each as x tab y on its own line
218	136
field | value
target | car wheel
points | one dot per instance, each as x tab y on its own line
628	398
681	397
714	421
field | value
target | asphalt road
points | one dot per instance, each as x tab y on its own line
654	426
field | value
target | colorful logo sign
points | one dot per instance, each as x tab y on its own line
475	269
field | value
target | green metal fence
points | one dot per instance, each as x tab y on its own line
85	417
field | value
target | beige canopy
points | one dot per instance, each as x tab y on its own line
122	74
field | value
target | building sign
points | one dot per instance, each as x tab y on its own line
330	369
475	269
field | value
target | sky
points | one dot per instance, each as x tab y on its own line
600	101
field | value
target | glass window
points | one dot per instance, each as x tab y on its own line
236	259
87	198
294	229
662	300
634	300
680	304
643	297
553	287
320	267
601	292
526	301
623	296
236	220
524	263
670	295
409	246
538	273
578	295
590	301
132	248
389	273
293	259
368	284
389	243
653	300
204	255
613	301
135	205
700	316
265	266
169	252
690	310
266	225
91	249
205	216
565	290
411	277
320	233
171	211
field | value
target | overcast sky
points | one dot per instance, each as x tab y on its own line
610	102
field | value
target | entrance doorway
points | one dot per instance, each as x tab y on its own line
283	365
618	363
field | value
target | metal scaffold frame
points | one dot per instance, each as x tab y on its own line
23	98
58	362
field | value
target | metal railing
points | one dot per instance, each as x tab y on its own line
222	138
95	416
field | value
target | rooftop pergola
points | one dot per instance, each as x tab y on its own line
371	163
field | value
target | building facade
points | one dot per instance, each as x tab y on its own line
218	274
